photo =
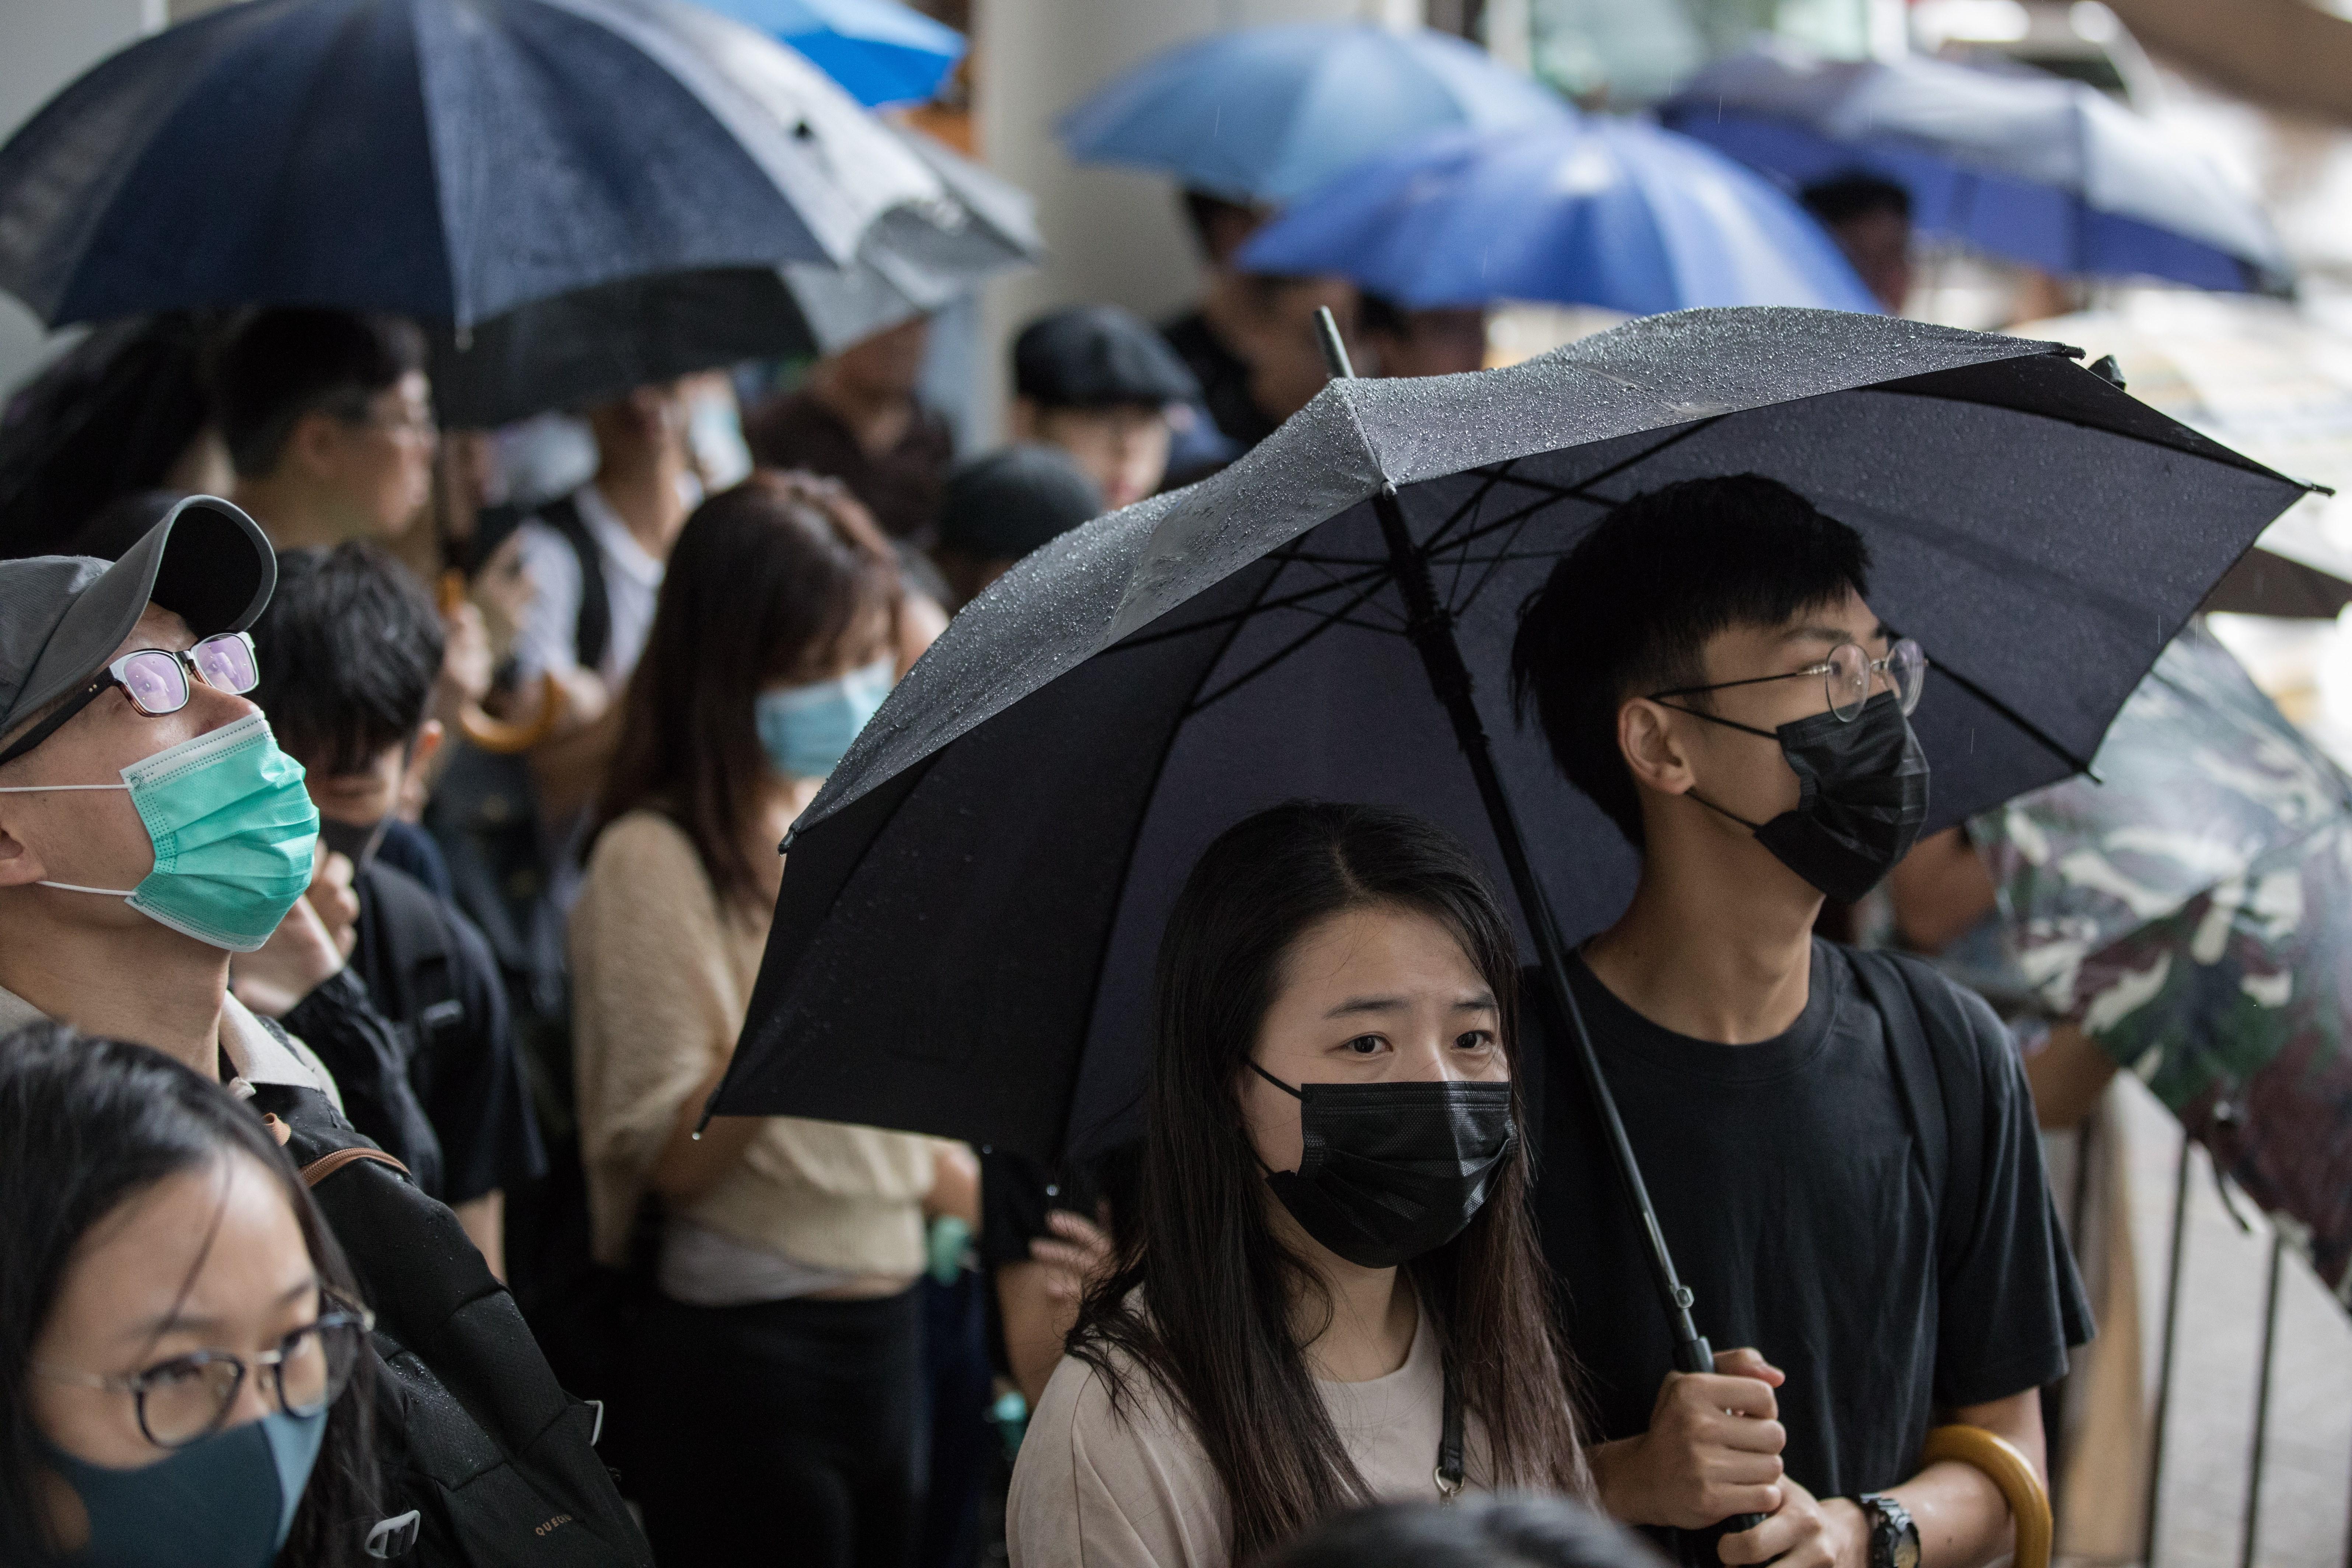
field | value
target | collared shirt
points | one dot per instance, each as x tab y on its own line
546	639
249	1047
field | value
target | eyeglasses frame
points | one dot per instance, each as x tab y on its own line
341	1314
112	676
1871	667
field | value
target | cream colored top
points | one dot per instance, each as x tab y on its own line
662	977
1131	1487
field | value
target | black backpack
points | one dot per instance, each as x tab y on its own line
474	1437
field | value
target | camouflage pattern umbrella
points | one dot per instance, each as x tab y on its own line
2192	915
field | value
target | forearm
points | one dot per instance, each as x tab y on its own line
1963	1520
486	1225
1962	1517
687	1166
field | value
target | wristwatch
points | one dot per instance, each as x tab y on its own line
1893	1539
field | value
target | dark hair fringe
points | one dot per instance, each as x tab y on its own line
1630	609
86	1125
765	579
279	364
1202	1297
348	650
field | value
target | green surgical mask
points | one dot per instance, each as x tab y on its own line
233	832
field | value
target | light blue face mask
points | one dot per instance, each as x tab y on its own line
223	1502
806	730
233	832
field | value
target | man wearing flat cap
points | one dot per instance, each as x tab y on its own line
1098	383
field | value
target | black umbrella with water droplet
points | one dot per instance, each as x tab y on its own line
964	941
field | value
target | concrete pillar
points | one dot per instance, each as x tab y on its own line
1116	235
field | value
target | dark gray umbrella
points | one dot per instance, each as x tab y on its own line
913	258
963	942
443	159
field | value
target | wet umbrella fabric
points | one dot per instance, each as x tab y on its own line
882	51
1266	114
446	159
2193	915
2036	168
969	909
1599	211
915	258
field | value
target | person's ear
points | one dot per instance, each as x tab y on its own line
1650	739
429	736
1025	419
315	444
20	865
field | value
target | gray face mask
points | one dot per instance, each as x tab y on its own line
1863	795
226	1500
1392	1171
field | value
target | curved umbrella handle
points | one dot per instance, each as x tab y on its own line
501	736
2012	1472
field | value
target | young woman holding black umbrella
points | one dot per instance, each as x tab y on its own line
1331	1292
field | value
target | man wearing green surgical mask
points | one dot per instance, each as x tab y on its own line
101	669
149	829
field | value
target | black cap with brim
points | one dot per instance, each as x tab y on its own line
1095	356
62	616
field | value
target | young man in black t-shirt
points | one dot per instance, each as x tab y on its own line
1840	1146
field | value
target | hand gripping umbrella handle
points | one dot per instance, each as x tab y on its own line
1429	625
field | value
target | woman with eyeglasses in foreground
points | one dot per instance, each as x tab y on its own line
181	1342
1331	1294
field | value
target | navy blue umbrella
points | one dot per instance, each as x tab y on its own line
443	159
1266	114
2034	168
1597	210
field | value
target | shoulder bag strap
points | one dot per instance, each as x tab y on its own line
1449	1474
591	634
1918	1085
326	1165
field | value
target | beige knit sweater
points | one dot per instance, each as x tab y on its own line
661	978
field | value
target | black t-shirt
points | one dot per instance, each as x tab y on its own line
432	972
1224	375
1792	1194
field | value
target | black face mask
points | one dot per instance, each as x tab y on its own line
358	841
1391	1171
1863	797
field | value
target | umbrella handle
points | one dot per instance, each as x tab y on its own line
2012	1472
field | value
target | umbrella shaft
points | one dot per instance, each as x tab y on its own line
1431	628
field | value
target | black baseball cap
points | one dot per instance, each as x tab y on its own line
1004	505
62	616
1097	357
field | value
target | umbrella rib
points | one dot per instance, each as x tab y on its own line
1493	565
1234	617
1577	491
1323	624
2014	717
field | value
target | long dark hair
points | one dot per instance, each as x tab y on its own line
763	578
86	1125
1203	1295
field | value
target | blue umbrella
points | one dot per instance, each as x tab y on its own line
2036	168
1597	211
1266	114
882	51
443	159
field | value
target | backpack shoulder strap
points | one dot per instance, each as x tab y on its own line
1926	1049
591	634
